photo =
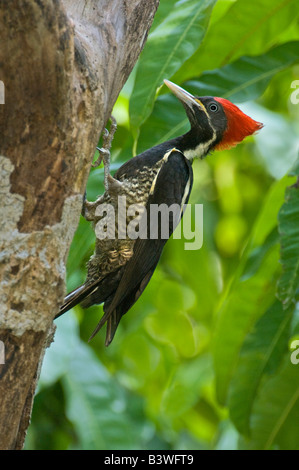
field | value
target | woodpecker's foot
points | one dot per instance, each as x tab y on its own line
105	151
88	209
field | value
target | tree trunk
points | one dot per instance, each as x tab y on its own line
63	64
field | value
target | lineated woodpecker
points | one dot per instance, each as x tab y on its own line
120	269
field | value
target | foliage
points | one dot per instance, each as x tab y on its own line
202	361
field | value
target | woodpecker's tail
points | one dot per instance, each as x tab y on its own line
91	293
76	297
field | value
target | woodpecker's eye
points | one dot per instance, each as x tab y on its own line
213	107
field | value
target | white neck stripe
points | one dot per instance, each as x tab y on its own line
201	149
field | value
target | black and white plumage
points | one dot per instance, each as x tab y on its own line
121	268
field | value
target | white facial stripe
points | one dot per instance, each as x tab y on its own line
201	148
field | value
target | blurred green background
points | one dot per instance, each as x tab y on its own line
202	360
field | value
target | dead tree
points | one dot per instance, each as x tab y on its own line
63	64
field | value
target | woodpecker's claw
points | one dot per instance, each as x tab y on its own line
83	210
105	151
88	209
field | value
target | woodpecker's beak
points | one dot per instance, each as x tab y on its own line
184	96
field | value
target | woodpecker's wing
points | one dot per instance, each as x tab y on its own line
172	185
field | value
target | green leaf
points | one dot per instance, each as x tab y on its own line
103	415
250	293
246	302
80	248
164	9
248	77
288	225
185	387
246	28
58	356
275	414
174	40
260	354
295	169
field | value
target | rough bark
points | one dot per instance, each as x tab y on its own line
63	64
